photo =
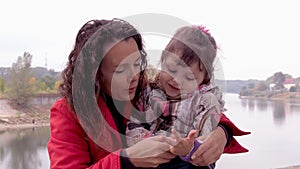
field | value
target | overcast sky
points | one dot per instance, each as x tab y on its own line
257	37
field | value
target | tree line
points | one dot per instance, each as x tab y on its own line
276	84
20	82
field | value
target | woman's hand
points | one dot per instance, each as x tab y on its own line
150	152
211	149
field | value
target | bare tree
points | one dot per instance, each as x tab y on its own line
2	85
20	89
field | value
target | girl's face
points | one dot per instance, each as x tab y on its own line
120	68
177	78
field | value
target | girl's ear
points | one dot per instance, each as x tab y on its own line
201	66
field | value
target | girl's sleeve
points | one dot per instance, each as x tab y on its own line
69	147
210	103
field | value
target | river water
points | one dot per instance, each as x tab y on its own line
273	143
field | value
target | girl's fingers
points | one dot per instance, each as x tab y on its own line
176	135
192	134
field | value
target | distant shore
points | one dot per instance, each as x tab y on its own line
288	96
290	167
4	127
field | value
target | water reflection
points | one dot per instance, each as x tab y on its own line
295	107
280	108
244	102
262	105
251	104
274	127
20	149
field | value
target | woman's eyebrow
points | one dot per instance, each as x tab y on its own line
137	59
119	65
125	64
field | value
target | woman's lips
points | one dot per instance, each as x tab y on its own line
132	89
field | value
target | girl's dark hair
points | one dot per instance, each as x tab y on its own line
193	45
99	33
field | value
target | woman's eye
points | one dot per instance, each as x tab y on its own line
137	63
120	70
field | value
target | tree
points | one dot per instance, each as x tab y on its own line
293	89
49	81
262	86
279	79
2	85
251	85
20	88
151	72
56	85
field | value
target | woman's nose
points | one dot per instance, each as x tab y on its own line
132	74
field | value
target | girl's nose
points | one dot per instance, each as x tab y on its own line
176	83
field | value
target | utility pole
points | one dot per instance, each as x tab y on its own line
46	61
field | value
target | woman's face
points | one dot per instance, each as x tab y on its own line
177	78
120	68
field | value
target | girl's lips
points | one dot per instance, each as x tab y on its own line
174	87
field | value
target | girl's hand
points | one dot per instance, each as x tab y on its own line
150	152
181	146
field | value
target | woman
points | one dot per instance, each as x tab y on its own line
74	140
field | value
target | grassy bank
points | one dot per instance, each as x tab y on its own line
287	96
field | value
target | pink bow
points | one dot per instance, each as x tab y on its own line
202	28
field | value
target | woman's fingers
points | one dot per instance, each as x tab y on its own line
153	160
170	141
205	156
211	149
167	155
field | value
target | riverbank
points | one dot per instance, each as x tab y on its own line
14	117
4	127
287	96
291	167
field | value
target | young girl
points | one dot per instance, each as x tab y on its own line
184	97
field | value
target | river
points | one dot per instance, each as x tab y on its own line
273	143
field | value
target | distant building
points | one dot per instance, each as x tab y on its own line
288	83
272	86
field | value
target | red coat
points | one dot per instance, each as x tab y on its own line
70	147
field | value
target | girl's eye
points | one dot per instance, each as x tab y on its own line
190	78
171	70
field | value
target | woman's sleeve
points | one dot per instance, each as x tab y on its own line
69	147
233	146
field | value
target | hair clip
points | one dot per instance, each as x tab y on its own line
202	28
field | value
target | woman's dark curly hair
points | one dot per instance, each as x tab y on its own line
98	33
